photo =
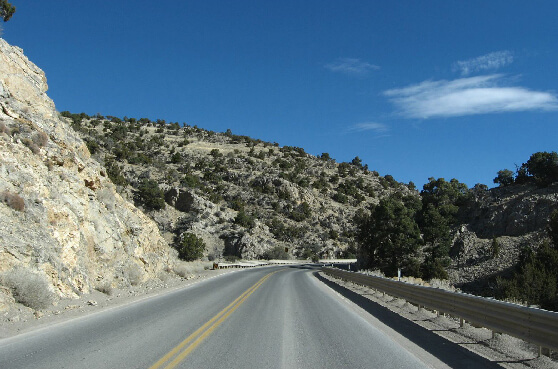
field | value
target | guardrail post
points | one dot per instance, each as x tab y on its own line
544	351
533	325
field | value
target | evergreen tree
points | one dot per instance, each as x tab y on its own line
543	166
389	237
504	178
6	10
190	247
150	195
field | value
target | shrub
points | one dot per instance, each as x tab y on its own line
184	269
535	279
191	181
13	200
276	253
28	288
333	234
104	287
504	178
4	129
40	139
237	204
190	247
176	158
31	145
340	198
150	195
135	274
115	174
244	220
433	269
92	146
495	247
216	153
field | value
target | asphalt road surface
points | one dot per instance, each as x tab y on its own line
271	317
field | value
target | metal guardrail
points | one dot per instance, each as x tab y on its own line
530	324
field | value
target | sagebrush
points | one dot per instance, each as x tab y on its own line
28	288
13	200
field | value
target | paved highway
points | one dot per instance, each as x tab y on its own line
272	317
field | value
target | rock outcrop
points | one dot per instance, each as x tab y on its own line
61	216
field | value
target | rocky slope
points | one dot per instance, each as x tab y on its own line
63	224
515	216
295	200
244	197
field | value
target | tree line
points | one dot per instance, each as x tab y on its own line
413	233
410	232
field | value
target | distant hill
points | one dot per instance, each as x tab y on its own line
246	198
253	199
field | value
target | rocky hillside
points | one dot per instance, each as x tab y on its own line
252	199
63	224
515	217
245	197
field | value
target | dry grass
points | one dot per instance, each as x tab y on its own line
4	129
28	288
40	139
135	274
13	200
104	287
443	284
185	269
31	145
375	273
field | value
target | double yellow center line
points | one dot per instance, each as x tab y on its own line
185	347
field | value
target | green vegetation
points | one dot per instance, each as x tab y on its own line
6	10
190	247
244	220
114	172
390	234
504	178
541	168
276	253
150	195
535	278
306	202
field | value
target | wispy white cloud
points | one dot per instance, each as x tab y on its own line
467	96
492	61
351	66
369	126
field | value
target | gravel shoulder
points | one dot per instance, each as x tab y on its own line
506	351
20	319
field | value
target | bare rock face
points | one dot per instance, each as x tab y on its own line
513	211
60	214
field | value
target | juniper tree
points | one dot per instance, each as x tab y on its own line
6	10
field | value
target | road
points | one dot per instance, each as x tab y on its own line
272	317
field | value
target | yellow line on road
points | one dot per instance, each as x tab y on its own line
206	329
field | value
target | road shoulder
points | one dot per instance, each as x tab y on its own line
500	350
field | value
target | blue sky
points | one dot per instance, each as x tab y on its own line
416	89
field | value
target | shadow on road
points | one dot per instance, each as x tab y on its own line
450	353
